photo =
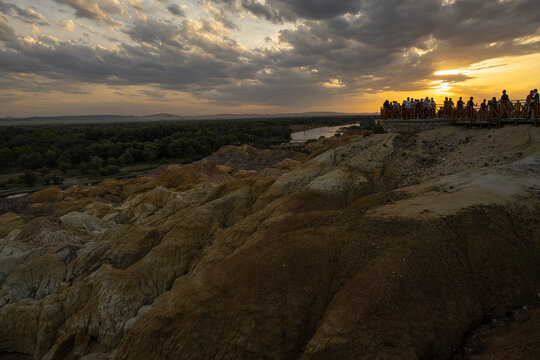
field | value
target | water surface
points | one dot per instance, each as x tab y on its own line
326	131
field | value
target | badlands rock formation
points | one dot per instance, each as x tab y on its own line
388	246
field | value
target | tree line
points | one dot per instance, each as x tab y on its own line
102	149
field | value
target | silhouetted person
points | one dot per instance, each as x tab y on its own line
505	101
470	103
504	98
460	103
527	107
407	110
493	103
529	97
483	105
535	100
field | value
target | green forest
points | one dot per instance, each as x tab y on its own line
100	150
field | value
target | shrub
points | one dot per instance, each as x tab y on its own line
57	179
112	169
31	160
95	165
83	167
64	166
44	171
29	178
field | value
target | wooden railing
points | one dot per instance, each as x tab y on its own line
515	110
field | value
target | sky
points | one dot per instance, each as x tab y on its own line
196	57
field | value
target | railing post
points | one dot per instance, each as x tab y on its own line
500	107
536	111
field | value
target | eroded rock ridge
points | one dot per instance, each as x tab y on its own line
379	247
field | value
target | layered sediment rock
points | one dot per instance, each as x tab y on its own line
387	246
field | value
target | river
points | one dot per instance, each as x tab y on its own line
326	131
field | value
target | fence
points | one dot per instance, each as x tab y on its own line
512	111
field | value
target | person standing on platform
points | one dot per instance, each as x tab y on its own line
505	101
483	105
527	105
504	98
407	110
535	100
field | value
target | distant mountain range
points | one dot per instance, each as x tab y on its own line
102	119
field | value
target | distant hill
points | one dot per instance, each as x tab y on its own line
102	119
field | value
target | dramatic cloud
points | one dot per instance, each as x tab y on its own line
29	16
411	37
317	51
97	9
176	10
68	25
6	32
155	32
280	10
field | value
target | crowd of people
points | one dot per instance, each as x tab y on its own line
427	108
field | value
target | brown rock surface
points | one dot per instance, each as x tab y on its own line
246	157
512	337
379	247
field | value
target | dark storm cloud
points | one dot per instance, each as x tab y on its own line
28	16
155	32
290	10
176	10
401	24
315	9
381	38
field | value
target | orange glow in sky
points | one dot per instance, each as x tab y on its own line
193	57
518	75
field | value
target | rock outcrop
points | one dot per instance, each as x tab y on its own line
386	246
246	157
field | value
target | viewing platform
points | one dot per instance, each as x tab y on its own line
416	119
